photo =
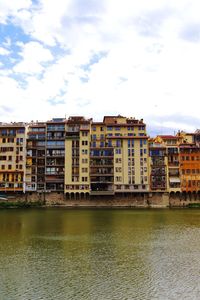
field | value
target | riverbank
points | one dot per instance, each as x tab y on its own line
138	201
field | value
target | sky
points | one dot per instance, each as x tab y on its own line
101	57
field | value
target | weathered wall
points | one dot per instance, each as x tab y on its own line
119	200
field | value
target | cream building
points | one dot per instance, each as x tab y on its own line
105	158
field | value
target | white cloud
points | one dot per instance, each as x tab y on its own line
10	8
33	54
4	51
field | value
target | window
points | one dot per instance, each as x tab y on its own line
51	143
21	130
118	143
75	178
84	133
118	178
130	143
84	170
2	157
4	132
109	143
84	143
84	151
84	179
118	160
118	151
84	160
109	128
130	152
3	167
9	167
10	140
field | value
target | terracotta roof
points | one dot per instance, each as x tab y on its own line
187	145
166	137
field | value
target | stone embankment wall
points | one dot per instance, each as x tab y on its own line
183	199
157	200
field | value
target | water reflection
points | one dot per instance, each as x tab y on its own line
99	254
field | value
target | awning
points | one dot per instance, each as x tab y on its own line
174	180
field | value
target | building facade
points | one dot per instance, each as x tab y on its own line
36	157
77	157
105	158
80	158
158	167
190	168
55	155
12	157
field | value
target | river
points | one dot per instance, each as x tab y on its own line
99	254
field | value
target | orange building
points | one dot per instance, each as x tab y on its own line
190	167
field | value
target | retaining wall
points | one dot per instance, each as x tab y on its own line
119	200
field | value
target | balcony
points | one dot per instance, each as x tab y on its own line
173	164
102	189
54	179
56	146
102	193
72	129
55	128
102	180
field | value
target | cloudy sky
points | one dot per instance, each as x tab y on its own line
97	57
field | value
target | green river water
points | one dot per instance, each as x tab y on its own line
99	254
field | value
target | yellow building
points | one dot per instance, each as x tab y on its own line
186	137
12	157
105	158
119	156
